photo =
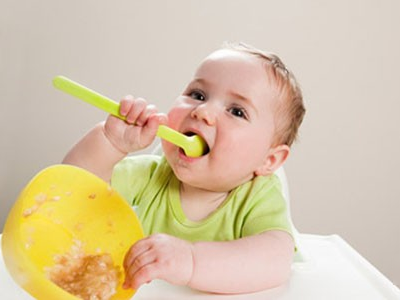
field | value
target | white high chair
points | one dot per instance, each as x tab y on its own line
324	267
299	256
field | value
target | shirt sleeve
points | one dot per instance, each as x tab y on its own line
268	209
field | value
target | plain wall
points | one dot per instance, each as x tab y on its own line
343	172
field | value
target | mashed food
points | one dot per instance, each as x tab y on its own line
89	277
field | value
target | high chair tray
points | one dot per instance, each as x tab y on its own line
329	268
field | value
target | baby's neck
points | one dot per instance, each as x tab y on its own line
198	204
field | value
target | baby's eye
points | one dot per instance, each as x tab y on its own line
238	112
197	95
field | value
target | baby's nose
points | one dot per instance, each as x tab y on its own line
206	112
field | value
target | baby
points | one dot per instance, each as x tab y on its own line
218	222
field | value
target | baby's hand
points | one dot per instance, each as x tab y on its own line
159	256
140	127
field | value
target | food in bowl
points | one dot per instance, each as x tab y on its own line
87	276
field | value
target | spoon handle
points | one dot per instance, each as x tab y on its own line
110	106
75	89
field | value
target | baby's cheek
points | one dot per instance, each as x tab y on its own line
175	116
180	111
167	148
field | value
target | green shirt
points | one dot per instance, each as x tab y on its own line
148	182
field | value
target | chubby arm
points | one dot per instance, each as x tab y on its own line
95	153
108	142
246	265
242	266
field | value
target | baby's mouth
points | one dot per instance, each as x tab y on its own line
206	148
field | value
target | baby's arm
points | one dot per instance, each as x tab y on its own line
110	141
242	266
246	265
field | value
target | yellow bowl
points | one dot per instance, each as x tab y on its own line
60	205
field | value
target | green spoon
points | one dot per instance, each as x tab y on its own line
194	146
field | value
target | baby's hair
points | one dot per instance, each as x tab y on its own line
291	110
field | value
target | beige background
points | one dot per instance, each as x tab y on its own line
344	172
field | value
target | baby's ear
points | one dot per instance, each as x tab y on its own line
275	158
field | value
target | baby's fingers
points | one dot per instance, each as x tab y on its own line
143	275
136	272
144	116
150	129
131	108
135	251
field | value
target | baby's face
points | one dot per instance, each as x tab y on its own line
230	103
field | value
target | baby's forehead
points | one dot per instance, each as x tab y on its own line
222	54
240	64
244	62
228	60
241	73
